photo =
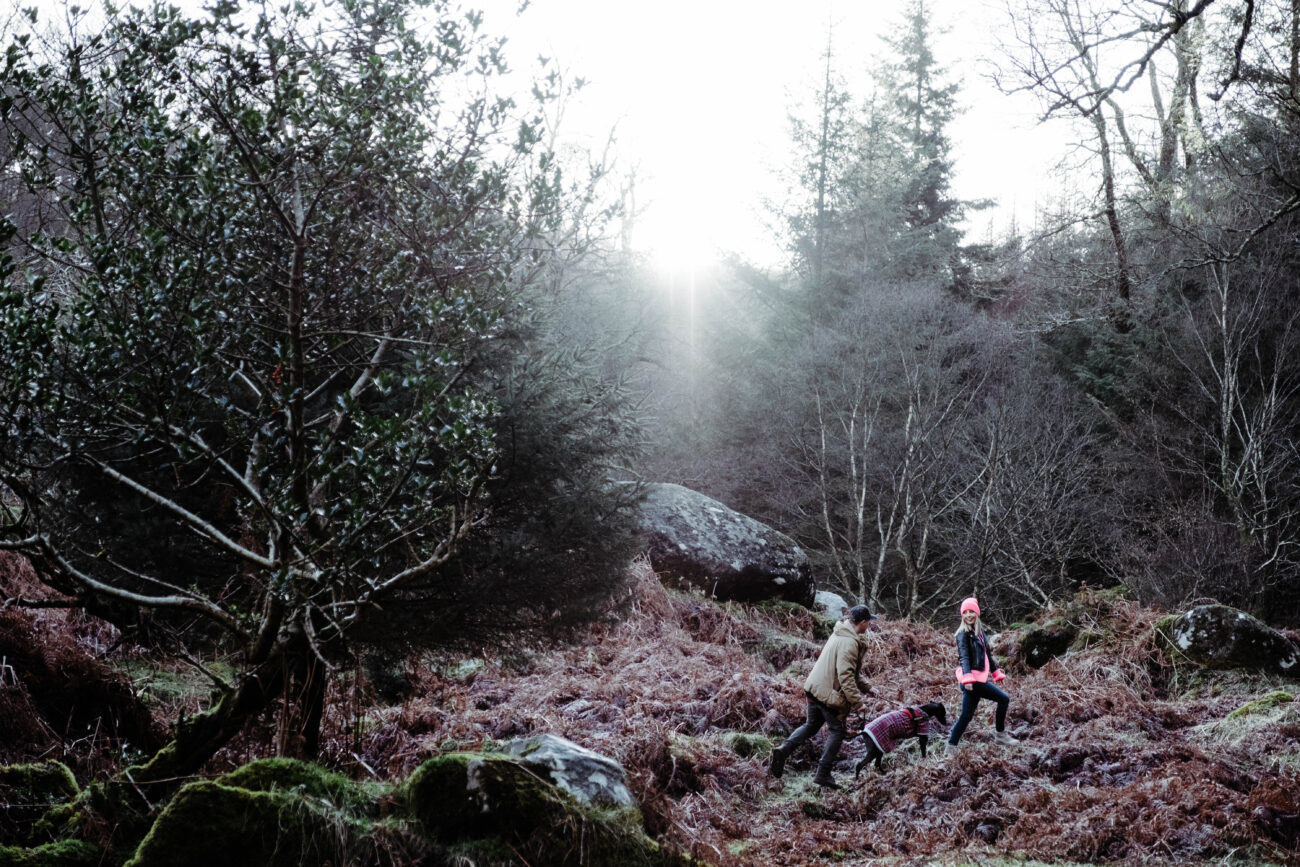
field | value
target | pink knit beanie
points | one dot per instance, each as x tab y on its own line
970	603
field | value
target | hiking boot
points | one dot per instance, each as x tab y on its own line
825	781
1005	738
777	767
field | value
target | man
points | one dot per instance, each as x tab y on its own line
833	691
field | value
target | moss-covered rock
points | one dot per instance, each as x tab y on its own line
64	853
269	812
111	815
486	804
586	775
1217	636
49	781
309	780
209	823
1263	703
27	792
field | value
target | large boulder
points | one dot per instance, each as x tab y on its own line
273	812
499	811
1217	636
699	541
588	776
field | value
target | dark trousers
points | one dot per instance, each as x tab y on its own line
970	698
818	715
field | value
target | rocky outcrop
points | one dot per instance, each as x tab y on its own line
588	776
833	605
491	803
700	542
1217	636
484	808
1041	644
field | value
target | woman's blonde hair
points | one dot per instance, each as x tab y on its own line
978	628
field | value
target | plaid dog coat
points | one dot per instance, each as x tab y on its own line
888	729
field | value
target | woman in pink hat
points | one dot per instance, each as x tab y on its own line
977	674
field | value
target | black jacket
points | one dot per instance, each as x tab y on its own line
971	650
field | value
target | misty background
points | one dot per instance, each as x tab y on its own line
825	267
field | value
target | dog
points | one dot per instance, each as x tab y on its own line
883	733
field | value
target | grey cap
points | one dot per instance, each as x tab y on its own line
859	613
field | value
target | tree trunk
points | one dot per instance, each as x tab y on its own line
1123	280
304	707
198	738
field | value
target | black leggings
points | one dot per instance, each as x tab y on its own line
970	698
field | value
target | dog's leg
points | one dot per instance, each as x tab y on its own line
924	739
873	754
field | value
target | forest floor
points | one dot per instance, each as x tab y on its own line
1123	757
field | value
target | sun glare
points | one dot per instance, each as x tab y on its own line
675	241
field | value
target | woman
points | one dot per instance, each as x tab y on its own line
976	670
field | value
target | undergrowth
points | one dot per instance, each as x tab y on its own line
1123	757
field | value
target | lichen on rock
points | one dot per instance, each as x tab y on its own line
1217	636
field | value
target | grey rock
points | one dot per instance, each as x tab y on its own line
1217	636
586	775
703	543
831	604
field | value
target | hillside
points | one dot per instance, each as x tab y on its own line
1123	757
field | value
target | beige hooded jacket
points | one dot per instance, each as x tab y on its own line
834	678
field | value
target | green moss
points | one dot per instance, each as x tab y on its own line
455	796
465	669
747	745
489	803
208	823
1087	639
291	775
823	626
1263	703
111	813
64	853
780	608
780	649
158	687
27	792
47	781
1162	637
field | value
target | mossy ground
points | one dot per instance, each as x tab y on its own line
1124	756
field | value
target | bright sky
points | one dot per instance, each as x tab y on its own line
700	91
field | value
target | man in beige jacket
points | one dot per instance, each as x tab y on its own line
834	690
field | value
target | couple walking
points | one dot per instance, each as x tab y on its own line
835	687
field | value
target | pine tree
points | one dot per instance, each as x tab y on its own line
920	103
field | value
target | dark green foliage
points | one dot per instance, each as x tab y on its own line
245	398
560	533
